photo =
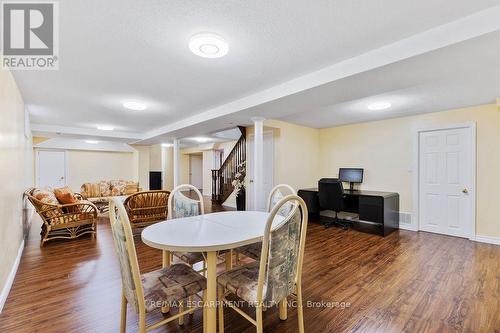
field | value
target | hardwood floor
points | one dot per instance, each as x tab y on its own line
406	282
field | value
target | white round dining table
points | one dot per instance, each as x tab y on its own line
208	233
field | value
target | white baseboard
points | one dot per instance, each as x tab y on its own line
487	239
10	278
406	221
407	227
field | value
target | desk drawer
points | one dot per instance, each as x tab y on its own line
371	209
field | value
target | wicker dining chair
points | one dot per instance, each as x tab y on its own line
278	274
149	291
277	193
146	208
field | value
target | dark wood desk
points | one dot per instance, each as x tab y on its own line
378	211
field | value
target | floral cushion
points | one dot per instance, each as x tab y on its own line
184	206
281	269
252	250
104	188
190	258
283	255
242	281
47	196
286	209
118	187
171	284
125	259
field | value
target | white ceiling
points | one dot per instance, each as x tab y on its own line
114	50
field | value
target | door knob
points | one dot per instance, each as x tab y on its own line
465	191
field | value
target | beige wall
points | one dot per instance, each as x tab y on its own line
141	165
168	168
384	149
91	166
16	171
296	154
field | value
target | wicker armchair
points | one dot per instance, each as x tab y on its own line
65	221
145	208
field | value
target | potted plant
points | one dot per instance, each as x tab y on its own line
239	186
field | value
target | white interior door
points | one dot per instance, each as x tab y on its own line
445	181
196	171
268	146
51	168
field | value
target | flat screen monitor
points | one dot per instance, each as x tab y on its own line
351	175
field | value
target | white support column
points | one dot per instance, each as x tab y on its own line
258	163
177	158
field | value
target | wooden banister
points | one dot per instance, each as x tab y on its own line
223	177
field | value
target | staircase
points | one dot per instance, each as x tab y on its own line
222	178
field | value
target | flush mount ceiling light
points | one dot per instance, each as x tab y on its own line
105	128
201	139
134	105
166	145
208	45
92	141
379	106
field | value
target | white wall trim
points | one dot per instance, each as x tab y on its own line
10	279
487	239
416	171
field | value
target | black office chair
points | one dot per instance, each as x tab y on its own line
331	197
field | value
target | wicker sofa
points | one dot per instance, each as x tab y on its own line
100	192
67	221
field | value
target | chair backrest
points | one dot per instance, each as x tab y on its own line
180	205
147	206
331	194
127	256
282	251
277	193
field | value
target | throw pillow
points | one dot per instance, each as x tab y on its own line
65	196
48	200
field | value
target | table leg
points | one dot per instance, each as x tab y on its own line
283	309
229	260
211	309
165	263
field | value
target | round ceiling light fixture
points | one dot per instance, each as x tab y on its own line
208	45
201	139
379	106
93	142
134	105
105	128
